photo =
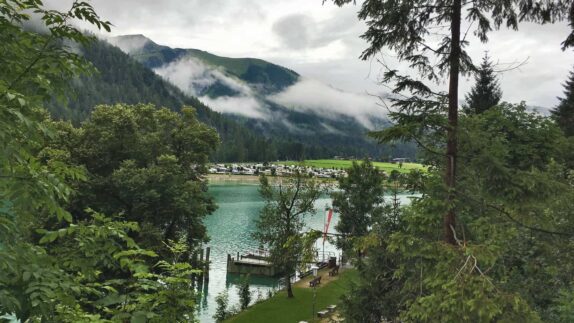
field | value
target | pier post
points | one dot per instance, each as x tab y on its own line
207	252
201	263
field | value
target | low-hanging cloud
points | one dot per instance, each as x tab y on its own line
130	44
192	76
241	105
314	96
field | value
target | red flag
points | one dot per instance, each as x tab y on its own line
329	216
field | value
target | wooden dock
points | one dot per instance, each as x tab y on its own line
251	263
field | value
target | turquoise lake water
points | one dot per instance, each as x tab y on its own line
230	228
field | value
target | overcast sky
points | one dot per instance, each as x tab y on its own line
322	41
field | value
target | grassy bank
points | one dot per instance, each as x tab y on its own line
330	163
280	309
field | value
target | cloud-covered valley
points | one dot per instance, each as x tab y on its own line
194	78
307	95
314	96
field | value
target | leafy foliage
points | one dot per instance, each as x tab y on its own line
145	164
55	267
421	114
515	246
280	224
221	312
244	293
357	202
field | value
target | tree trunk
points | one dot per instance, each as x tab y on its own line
449	220
288	284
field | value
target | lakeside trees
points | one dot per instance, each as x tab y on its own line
358	202
517	225
402	27
145	164
280	224
59	260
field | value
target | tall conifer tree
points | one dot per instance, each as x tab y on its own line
486	92
404	27
564	112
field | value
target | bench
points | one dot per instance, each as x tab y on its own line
334	271
315	281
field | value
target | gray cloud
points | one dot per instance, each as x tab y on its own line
192	76
129	45
295	31
313	96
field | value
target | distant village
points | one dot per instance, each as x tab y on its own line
275	170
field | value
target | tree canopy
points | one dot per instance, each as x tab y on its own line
358	202
61	261
564	111
405	27
146	164
280	225
486	91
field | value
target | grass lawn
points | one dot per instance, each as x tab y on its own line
330	163
279	308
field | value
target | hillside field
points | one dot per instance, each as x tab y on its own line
330	163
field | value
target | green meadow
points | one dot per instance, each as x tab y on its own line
342	164
279	308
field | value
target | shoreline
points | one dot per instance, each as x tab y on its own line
229	178
249	179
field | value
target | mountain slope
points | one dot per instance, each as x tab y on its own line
251	70
121	79
270	99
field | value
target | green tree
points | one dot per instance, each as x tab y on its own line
244	293
147	164
53	267
564	112
486	91
35	67
516	230
280	224
222	301
357	202
404	27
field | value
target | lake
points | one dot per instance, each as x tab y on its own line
230	228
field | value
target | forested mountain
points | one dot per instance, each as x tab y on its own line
269	77
121	79
270	99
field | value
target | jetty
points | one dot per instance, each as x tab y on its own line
255	263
